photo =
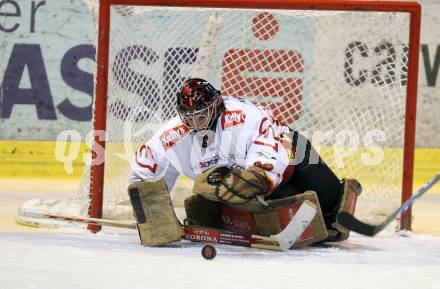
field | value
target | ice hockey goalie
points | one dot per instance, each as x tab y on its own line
246	166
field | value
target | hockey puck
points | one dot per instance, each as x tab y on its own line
209	252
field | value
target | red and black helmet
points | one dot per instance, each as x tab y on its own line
199	104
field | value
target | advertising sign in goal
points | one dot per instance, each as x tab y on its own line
343	73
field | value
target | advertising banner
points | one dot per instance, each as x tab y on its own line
46	68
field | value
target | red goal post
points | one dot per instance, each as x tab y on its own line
101	92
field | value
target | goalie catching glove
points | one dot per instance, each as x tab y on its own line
232	185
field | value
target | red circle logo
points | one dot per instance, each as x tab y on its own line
264	26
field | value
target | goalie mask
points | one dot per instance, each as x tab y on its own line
199	104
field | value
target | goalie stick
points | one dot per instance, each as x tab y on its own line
350	222
280	242
68	218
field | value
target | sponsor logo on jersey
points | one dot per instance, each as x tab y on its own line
265	166
209	162
170	137
236	166
234	163
232	118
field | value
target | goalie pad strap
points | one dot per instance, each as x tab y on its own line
137	206
154	213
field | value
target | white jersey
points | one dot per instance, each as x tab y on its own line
245	136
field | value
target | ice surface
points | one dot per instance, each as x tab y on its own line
77	259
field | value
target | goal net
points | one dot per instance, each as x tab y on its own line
338	77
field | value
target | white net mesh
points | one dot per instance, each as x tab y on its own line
337	77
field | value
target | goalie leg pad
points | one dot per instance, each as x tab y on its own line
351	189
268	222
272	219
154	213
202	212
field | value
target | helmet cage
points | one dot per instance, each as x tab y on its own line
201	120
